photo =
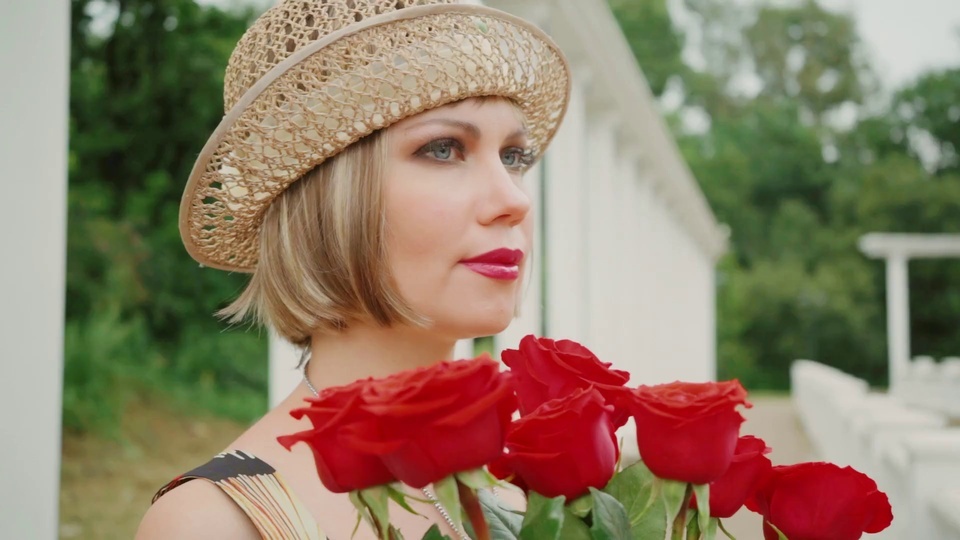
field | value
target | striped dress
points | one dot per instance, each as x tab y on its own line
259	491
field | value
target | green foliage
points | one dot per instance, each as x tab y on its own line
609	520
810	54
637	490
798	190
543	519
653	37
931	106
98	371
146	83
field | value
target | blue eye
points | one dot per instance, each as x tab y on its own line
517	158
441	149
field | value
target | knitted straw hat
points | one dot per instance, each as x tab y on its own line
310	77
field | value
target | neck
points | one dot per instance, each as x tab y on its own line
365	351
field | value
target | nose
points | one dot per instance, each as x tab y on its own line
505	198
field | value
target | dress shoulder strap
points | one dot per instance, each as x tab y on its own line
259	491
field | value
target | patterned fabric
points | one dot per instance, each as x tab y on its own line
259	491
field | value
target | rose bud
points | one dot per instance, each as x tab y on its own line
730	491
687	431
564	447
820	501
432	422
545	369
341	466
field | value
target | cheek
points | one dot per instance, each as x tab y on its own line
421	224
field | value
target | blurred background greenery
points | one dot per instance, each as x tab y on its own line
816	154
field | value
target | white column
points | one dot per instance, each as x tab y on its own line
565	234
646	280
625	251
898	317
660	363
283	375
33	151
601	233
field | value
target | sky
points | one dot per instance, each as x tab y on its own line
904	37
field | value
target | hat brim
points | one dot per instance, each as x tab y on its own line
347	85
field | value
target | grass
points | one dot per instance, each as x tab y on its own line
106	483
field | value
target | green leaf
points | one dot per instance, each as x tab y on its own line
400	498
504	523
725	531
433	533
477	479
449	496
573	527
702	491
581	506
377	500
711	531
780	535
693	526
636	489
362	512
673	494
610	521
543	519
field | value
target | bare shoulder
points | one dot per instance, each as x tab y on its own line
195	510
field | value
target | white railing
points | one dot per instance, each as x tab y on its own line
932	385
912	452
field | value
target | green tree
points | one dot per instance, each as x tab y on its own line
654	39
146	83
794	284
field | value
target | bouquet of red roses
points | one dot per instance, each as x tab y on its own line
452	425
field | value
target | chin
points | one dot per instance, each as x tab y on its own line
462	327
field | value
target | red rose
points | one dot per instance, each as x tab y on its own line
820	501
687	431
432	422
728	493
341	466
564	447
545	369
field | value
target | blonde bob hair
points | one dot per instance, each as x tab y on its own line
323	263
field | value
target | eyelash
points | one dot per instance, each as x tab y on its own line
524	155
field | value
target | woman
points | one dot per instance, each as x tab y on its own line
368	172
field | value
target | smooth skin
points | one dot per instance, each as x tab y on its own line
453	190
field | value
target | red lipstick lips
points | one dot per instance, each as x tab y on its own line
500	263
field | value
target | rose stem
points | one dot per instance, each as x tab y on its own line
681	519
471	504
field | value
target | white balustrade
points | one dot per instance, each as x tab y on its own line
932	385
905	441
816	388
946	519
949	388
924	467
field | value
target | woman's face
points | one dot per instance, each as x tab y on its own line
459	226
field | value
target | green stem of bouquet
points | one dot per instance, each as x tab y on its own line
680	521
725	531
471	506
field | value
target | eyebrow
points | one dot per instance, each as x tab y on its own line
472	129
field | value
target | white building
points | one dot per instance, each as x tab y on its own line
624	264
